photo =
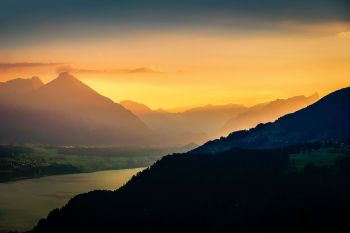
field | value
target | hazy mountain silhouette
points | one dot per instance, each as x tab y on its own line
326	119
166	125
267	112
66	111
209	118
204	123
136	108
194	125
12	90
154	119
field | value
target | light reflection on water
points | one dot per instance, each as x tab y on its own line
23	203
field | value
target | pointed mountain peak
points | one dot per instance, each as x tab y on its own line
66	76
67	81
36	81
69	87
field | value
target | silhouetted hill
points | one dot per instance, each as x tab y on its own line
204	123
234	191
12	90
267	112
208	119
157	121
66	111
136	108
167	126
325	120
20	85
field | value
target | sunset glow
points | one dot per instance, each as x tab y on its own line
183	65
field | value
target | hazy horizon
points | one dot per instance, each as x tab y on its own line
186	53
179	108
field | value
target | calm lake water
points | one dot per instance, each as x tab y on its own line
23	203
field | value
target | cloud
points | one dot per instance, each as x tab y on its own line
141	70
344	35
145	70
67	67
37	19
8	66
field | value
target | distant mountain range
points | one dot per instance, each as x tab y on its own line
212	121
266	112
195	125
327	119
65	111
17	87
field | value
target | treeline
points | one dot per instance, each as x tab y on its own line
13	150
234	191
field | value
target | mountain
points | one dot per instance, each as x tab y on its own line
136	108
324	120
209	118
163	125
194	125
157	121
66	111
302	187
267	112
14	89
203	123
20	85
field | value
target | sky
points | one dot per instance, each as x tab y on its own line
170	54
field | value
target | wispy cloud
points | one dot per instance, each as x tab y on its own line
145	70
141	70
7	66
68	67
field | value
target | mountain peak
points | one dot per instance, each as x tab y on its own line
66	76
36	81
325	120
136	108
315	96
65	81
21	85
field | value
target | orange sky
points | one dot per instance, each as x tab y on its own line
171	69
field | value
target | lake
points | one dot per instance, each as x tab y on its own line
24	202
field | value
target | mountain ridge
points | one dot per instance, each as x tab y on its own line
13	89
82	116
267	112
207	122
323	120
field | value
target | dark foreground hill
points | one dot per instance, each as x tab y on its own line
327	119
234	191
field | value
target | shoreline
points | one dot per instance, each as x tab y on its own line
16	179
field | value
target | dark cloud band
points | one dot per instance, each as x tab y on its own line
20	18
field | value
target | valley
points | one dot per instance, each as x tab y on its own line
31	161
